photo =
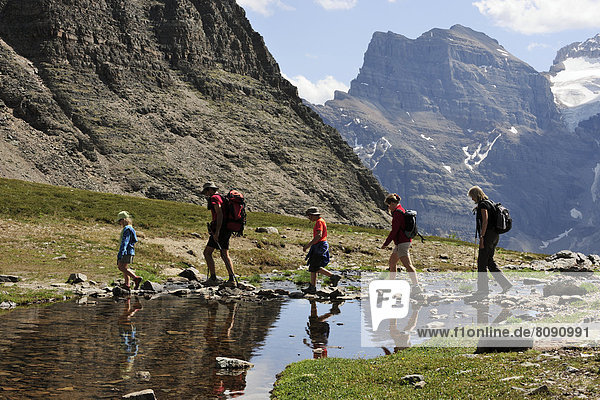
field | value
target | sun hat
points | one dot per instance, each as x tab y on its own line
312	211
123	215
208	185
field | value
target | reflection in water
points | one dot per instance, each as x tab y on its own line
318	329
66	351
402	337
128	332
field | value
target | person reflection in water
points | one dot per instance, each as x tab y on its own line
221	338
128	332
318	329
402	337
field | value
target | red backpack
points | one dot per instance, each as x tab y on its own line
234	212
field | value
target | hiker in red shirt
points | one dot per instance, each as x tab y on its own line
401	250
318	256
219	236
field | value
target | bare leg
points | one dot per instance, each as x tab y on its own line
227	260
313	279
325	272
127	273
412	273
210	261
392	264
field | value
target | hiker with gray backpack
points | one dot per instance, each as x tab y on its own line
399	236
492	219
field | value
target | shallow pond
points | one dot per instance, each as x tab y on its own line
169	344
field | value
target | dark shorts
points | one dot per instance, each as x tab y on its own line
224	237
126	259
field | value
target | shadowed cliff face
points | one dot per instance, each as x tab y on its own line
155	98
451	109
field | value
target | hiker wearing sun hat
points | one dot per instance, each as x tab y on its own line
126	250
219	235
318	255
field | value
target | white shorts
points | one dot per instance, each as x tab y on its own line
402	249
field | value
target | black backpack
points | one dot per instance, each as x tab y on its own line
410	224
501	220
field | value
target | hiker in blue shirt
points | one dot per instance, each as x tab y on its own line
126	250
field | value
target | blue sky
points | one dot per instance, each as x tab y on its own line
320	44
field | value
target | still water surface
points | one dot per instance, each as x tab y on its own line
111	348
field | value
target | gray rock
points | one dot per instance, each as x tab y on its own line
533	281
118	291
413	379
9	278
191	274
563	289
572	369
232	363
296	295
538	390
143	375
268	229
5	305
267	293
147	394
181	292
152	287
330	292
569	299
76	278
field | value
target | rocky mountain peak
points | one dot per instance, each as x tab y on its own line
155	98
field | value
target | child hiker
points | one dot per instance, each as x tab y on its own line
126	250
318	256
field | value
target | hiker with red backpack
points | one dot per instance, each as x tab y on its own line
402	242
489	235
219	235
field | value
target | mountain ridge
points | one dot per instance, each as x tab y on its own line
154	99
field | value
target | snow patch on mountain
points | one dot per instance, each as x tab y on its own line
577	89
563	235
482	151
373	152
576	214
595	189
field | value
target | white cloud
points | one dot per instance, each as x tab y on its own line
317	93
535	45
264	7
337	4
542	16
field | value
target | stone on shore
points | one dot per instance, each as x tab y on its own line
152	287
76	278
266	229
9	278
147	394
191	274
232	363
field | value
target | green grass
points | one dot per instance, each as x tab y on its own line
22	296
301	277
447	372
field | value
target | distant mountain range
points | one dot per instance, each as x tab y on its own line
155	98
453	108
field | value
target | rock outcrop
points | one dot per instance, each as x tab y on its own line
155	98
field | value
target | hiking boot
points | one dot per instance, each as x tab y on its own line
506	288
137	282
231	283
334	280
310	290
212	281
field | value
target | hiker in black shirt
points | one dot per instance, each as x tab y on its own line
488	240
